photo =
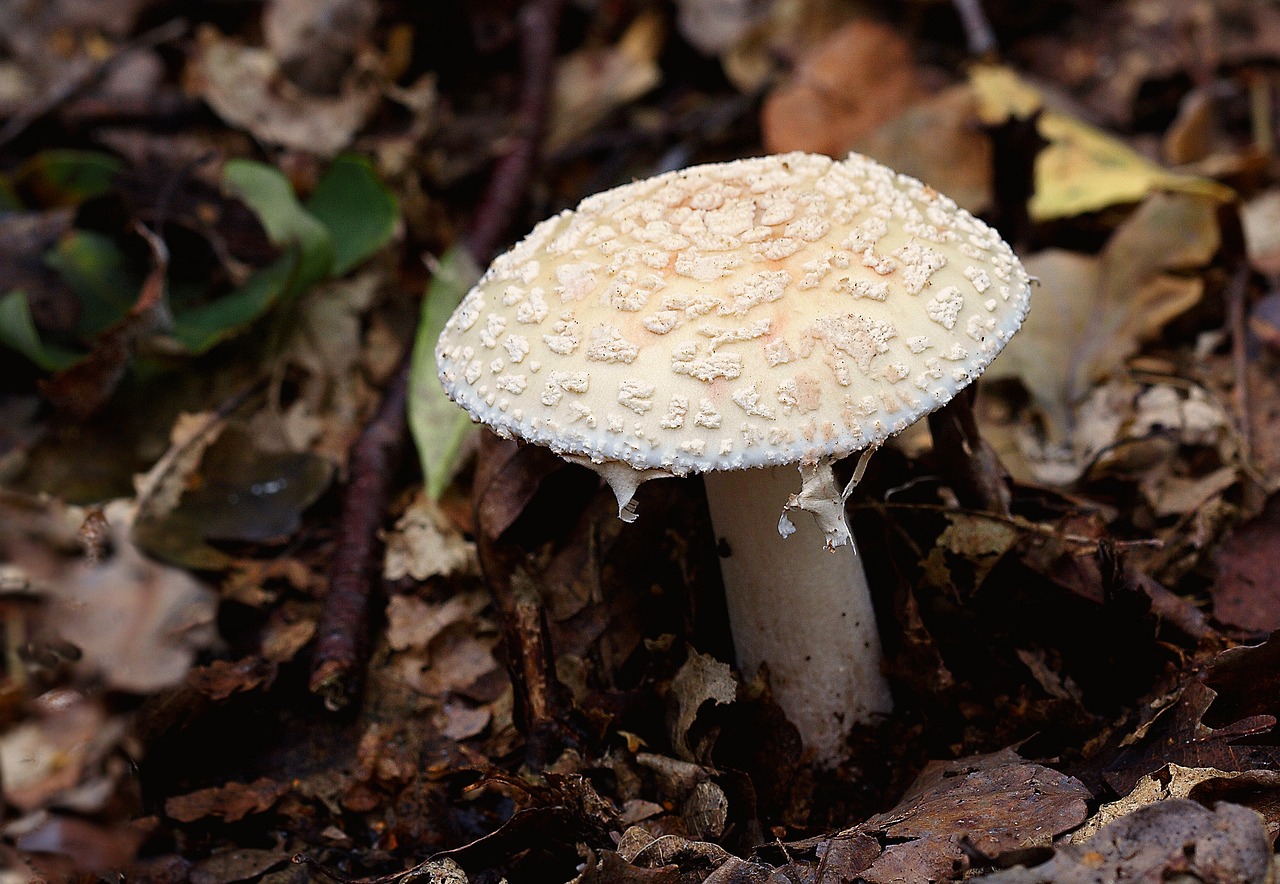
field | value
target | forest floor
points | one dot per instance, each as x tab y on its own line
265	594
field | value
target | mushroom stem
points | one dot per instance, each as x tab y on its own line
802	609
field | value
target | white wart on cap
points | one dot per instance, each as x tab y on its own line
758	312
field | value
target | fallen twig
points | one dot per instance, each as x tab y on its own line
341	636
510	179
344	624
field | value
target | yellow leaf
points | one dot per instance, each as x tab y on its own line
1083	169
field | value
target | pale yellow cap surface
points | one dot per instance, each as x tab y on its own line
756	312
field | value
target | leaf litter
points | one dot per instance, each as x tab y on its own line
220	243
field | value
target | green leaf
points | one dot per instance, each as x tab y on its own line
308	258
200	328
358	210
67	177
268	193
18	332
438	425
97	271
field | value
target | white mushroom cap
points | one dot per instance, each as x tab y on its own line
758	312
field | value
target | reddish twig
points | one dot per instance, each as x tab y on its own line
510	180
344	624
341	636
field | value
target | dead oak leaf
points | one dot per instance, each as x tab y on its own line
994	803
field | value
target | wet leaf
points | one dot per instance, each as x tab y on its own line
240	492
358	210
439	427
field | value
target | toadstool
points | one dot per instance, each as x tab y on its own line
732	319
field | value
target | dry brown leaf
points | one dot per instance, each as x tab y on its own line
592	82
1042	349
1169	231
861	76
315	39
1169	840
246	88
701	679
1173	781
231	802
425	543
1246	594
412	624
138	623
940	142
56	758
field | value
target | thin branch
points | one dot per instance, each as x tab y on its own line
340	646
539	20
341	637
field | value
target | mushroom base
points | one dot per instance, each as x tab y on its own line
801	608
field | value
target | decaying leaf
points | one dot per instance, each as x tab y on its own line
994	803
976	537
138	623
425	543
702	678
1170	839
57	759
1171	782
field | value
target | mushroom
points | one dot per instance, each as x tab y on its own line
732	319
